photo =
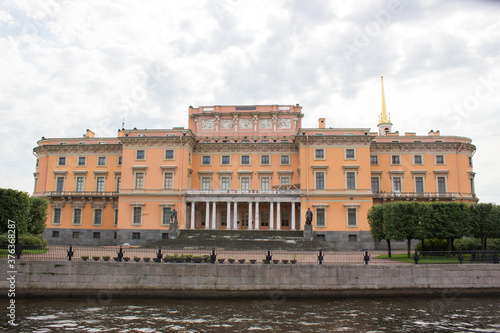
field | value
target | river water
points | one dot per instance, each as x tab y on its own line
443	313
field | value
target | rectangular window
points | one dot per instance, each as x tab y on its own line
118	184
139	180
319	153
140	155
101	160
374	160
60	184
169	177
349	154
264	219
205	160
120	160
166	215
205	183
470	161
164	235
396	184
351	217
137	218
77	216
38	161
98	216
320	217
115	220
203	216
225	183
80	184
441	181
82	160
439	159
223	218
245	160
55	234
264	160
419	184
136	235
264	183
100	184
57	216
320	180
375	185
285	218
285	159
351	180
417	159
169	154
285	180
353	238
96	235
395	159
62	161
245	183
226	160
76	234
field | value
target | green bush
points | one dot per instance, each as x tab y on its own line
25	239
433	245
469	244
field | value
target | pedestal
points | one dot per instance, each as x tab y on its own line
308	232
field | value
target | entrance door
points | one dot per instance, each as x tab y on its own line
244	220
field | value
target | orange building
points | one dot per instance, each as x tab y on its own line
243	167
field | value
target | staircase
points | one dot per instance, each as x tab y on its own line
245	240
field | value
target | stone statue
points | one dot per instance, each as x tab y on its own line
173	216
309	216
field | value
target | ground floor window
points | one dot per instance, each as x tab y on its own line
136	235
164	235
57	216
77	216
76	234
137	216
223	218
320	217
352	219
98	216
55	234
264	219
96	235
353	238
285	218
166	215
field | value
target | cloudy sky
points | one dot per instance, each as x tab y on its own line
66	66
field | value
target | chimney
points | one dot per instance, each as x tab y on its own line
89	134
321	123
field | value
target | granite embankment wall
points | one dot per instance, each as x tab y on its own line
236	280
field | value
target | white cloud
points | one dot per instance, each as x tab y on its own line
67	66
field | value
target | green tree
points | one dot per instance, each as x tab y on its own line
376	221
37	215
14	205
401	221
448	220
484	221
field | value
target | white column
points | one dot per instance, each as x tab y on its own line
271	215
257	216
235	217
293	216
214	215
207	216
228	218
278	216
250	225
192	214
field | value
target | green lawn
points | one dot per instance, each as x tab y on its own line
5	252
425	260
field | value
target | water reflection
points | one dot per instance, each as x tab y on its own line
440	314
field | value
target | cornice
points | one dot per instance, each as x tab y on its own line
285	147
155	141
422	147
78	149
333	140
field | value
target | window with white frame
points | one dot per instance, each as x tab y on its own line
351	180
264	160
441	184
140	154
120	159
118	183
374	160
419	184
61	161
264	183
169	154
56	218
245	160
225	183
375	184
137	215
206	160
320	180
82	161
439	159
285	160
60	184
205	183
169	180
352	217
245	183
319	154
80	184
77	216
139	180
350	154
320	217
226	160
395	159
97	216
101	161
417	160
396	184
166	215
100	184
284	180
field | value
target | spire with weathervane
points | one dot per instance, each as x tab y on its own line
384	119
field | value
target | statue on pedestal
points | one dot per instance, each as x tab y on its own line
173	216
309	216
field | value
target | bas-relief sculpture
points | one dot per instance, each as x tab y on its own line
207	124
226	124
284	123
265	123
245	123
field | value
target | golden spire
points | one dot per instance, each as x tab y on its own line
383	118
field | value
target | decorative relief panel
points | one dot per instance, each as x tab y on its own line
226	123
245	123
284	123
265	124
207	124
